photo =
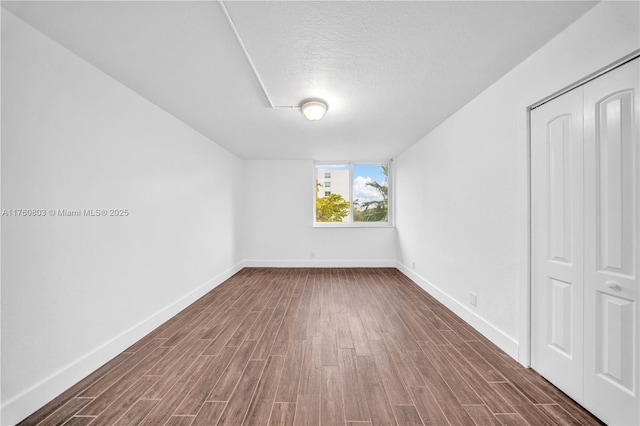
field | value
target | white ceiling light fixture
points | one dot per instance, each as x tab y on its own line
313	109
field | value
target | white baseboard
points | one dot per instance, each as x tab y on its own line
23	405
500	339
320	263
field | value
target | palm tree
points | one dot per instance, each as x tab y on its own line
375	210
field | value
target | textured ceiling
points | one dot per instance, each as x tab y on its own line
390	71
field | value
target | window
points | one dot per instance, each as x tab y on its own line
327	175
359	194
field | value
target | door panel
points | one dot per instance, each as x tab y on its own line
556	220
616	341
559	184
615	190
561	316
611	245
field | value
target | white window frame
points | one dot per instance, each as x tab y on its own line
351	223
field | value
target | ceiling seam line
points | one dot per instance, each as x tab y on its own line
253	66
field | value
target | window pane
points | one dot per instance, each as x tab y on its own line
370	193
332	206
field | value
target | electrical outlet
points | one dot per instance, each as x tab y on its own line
413	264
473	299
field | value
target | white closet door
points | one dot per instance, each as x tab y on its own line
557	242
612	221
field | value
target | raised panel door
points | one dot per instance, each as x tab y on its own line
612	219
556	220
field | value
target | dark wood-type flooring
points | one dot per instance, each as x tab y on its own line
350	347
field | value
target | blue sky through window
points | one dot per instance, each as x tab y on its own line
366	198
362	174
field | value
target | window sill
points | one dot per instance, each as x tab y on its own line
353	225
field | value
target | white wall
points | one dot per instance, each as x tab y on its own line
278	223
462	191
78	290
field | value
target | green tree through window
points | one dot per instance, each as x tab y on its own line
359	193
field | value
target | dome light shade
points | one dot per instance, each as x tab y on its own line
313	109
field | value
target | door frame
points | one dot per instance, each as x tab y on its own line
526	301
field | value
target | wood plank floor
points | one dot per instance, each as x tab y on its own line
345	347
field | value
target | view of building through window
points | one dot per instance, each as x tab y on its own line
359	193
